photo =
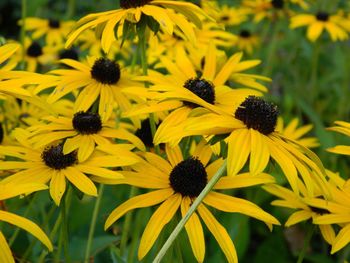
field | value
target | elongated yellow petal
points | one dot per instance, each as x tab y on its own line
259	155
27	225
342	239
159	219
100	172
139	201
86	147
238	151
332	219
174	154
10	190
159	162
57	186
298	217
194	231
237	205
328	233
80	180
243	180
149	181
5	251
220	234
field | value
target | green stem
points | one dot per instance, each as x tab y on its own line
127	224
314	70
272	50
142	44
189	213
64	229
15	234
70	9
93	224
306	243
23	31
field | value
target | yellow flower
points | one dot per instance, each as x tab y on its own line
51	165
167	14
296	133
9	190
82	131
100	78
270	9
55	31
178	182
250	131
344	128
246	41
319	22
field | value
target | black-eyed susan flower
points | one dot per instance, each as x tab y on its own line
185	88
9	190
54	31
83	131
100	79
50	164
344	128
270	9
320	22
247	41
251	131
178	182
167	15
231	16
292	131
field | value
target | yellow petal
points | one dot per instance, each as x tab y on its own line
237	205
81	181
220	234
5	251
297	217
86	147
57	186
174	154
27	225
238	150
139	201
260	155
328	233
243	180
159	219
342	239
194	231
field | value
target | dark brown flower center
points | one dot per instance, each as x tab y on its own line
54	158
87	122
125	4
34	50
53	23
278	4
258	114
189	177
202	88
322	16
71	53
105	71
244	34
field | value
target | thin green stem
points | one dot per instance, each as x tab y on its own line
23	31
189	213
93	224
15	234
306	243
64	229
127	224
271	54
70	9
314	70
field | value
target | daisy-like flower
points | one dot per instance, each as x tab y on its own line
231	16
250	131
185	89
262	9
101	79
343	128
305	209
55	31
82	131
292	131
50	164
178	182
247	41
167	14
322	21
8	190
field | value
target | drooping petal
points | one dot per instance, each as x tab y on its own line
342	239
5	251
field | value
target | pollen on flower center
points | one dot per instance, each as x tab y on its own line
258	114
133	3
244	34
53	23
278	4
105	71
34	50
322	16
189	177
202	88
87	122
54	158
